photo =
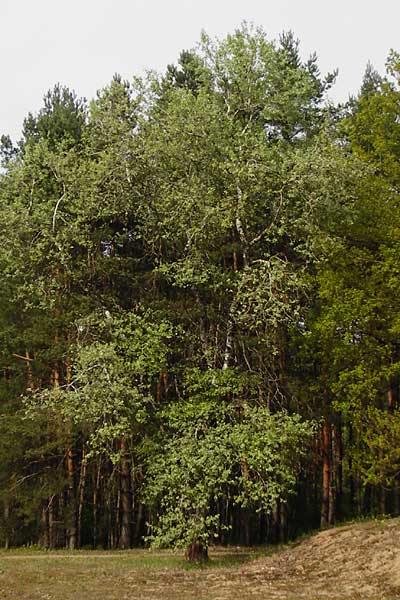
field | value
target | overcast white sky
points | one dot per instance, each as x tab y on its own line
82	43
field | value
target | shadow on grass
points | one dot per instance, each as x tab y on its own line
220	558
224	560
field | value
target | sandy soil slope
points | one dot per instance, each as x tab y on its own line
355	561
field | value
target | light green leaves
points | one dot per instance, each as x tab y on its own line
250	461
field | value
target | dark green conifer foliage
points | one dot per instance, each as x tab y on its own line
61	119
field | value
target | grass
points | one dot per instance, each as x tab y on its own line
350	562
138	558
32	574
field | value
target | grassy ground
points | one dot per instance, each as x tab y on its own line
354	562
134	574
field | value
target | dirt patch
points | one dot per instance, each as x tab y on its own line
357	562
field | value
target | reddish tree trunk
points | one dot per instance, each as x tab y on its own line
196	552
126	505
326	474
71	501
81	494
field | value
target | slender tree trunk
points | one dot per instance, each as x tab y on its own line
71	501
112	523
339	467
71	495
96	488
367	501
333	475
392	400
392	396
382	500
235	261
396	497
29	373
6	521
358	490
228	342
283	523
244	513
51	534
81	495
244	244
276	522
352	485
125	537
240	228
139	523
44	536
326	474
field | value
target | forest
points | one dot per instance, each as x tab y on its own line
200	308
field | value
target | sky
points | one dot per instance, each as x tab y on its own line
83	43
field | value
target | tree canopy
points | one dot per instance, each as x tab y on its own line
199	309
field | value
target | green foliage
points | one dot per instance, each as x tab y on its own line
253	461
378	456
115	365
60	121
188	263
374	124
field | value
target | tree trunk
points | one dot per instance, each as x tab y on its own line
228	343
81	495
44	535
6	521
339	467
393	401
283	533
96	487
29	374
71	497
382	500
276	522
139	524
333	476
196	552
71	501
245	513
326	474
125	537
352	485
240	228
51	532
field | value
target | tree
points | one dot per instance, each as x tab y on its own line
61	120
196	267
244	454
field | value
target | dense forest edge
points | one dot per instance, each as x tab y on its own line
200	305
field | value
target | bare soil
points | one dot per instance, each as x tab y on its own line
354	562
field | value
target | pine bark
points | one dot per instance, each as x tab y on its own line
126	504
6	521
96	489
81	494
71	501
326	474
